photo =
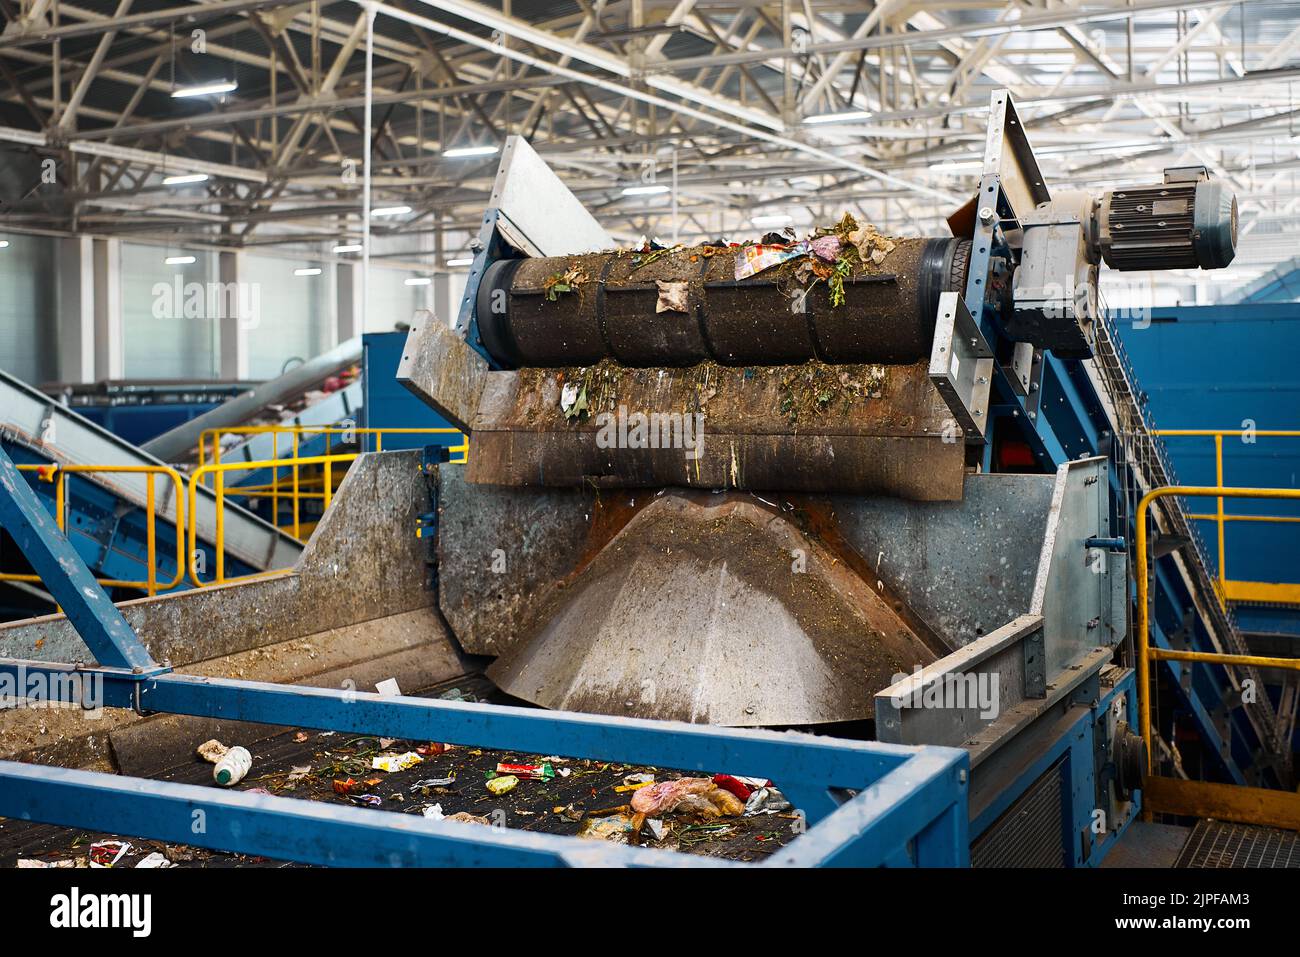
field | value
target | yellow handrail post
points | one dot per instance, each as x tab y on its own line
275	480
60	507
1146	654
219	486
1218	480
151	534
297	530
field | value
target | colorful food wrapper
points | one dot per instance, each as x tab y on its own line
752	260
395	762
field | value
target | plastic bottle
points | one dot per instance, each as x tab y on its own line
230	770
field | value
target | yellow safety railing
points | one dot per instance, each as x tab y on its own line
212	437
218	472
1230	589
299	489
58	474
1146	653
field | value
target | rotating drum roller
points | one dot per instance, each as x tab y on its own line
887	317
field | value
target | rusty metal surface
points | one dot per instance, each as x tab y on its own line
966	567
440	369
869	429
718	611
499	548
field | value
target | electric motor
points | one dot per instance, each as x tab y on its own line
1188	221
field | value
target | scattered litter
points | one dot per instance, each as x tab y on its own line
569	813
640	778
573	400
666	795
464	817
298	773
107	853
300	737
766	800
434	813
456	694
673	296
528	772
344	785
386	742
752	260
432	748
435	782
615	827
366	800
699	833
155	860
232	767
27	862
178	854
738	785
395	762
388	688
696	797
501	785
212	751
657	828
826	248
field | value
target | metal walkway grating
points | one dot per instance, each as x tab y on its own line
1217	844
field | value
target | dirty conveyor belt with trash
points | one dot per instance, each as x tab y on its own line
585	798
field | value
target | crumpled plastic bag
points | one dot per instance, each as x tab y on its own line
673	296
825	248
661	798
871	246
766	800
695	796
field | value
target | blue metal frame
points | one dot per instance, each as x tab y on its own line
1077	746
910	805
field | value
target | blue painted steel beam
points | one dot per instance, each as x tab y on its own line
807	766
309	832
97	620
909	815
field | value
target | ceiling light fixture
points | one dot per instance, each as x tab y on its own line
181	179
849	117
644	190
463	151
205	89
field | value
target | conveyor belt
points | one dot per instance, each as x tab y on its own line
26	414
